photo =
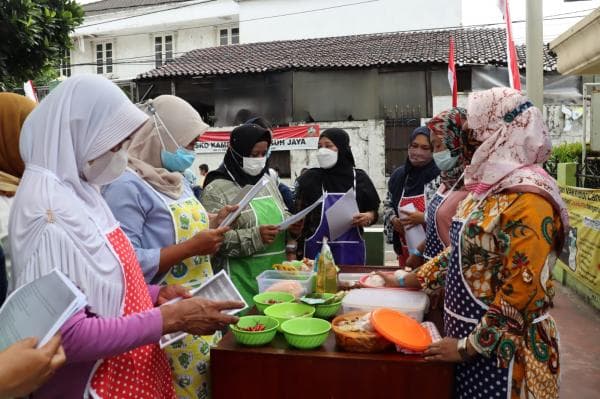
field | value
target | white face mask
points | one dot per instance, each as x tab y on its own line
253	166
106	168
327	158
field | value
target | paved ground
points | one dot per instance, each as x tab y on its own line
579	327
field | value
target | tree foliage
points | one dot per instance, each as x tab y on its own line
33	35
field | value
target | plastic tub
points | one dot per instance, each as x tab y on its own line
411	303
269	277
348	280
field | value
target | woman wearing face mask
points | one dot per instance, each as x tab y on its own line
336	175
254	243
406	186
71	145
166	224
452	152
505	238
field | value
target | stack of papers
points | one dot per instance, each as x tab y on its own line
249	193
300	215
218	288
39	309
340	215
414	235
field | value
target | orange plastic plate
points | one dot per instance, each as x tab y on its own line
401	329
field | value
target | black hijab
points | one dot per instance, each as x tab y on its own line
409	178
241	141
339	178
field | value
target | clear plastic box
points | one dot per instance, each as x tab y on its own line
269	277
411	303
347	280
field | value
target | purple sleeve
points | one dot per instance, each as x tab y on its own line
86	337
154	290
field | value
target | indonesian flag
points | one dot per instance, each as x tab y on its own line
511	51
29	89
452	74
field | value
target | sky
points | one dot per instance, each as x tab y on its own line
477	12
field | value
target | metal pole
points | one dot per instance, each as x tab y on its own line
535	53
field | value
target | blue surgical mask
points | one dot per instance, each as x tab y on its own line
444	160
177	161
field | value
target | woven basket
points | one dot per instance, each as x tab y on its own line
351	341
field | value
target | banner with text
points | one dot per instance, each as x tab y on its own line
581	253
284	139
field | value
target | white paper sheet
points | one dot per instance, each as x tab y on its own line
415	235
299	216
339	216
252	192
217	288
39	309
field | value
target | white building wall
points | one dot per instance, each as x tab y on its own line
134	53
267	20
132	33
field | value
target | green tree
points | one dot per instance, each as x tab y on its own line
33	35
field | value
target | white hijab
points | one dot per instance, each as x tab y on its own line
58	219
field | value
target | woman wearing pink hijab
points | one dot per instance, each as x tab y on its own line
505	238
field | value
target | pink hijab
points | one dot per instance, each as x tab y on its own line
514	142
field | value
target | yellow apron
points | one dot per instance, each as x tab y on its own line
189	358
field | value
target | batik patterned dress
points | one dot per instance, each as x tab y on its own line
507	248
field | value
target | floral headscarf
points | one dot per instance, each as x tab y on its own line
514	142
448	126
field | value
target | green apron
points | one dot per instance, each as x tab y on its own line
243	271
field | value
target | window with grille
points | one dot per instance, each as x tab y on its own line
104	58
65	63
163	50
229	36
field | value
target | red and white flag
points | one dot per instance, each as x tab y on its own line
29	90
452	74
511	51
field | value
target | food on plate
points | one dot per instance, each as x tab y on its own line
257	327
273	301
293	287
357	324
375	280
295	266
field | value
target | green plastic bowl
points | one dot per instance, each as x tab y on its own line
262	300
306	333
254	338
327	311
286	311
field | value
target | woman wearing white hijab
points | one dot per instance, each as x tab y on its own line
60	220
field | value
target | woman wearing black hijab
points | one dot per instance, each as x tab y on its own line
407	186
335	176
254	242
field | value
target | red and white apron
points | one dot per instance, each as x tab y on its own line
144	372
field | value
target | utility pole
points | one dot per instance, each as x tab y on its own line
535	52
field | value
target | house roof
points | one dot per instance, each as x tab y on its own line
473	46
106	6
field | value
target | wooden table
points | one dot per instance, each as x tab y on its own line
279	371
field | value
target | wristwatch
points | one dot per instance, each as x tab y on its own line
461	346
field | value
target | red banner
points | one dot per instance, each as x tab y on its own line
304	137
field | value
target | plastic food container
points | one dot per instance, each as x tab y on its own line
269	277
348	280
411	303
